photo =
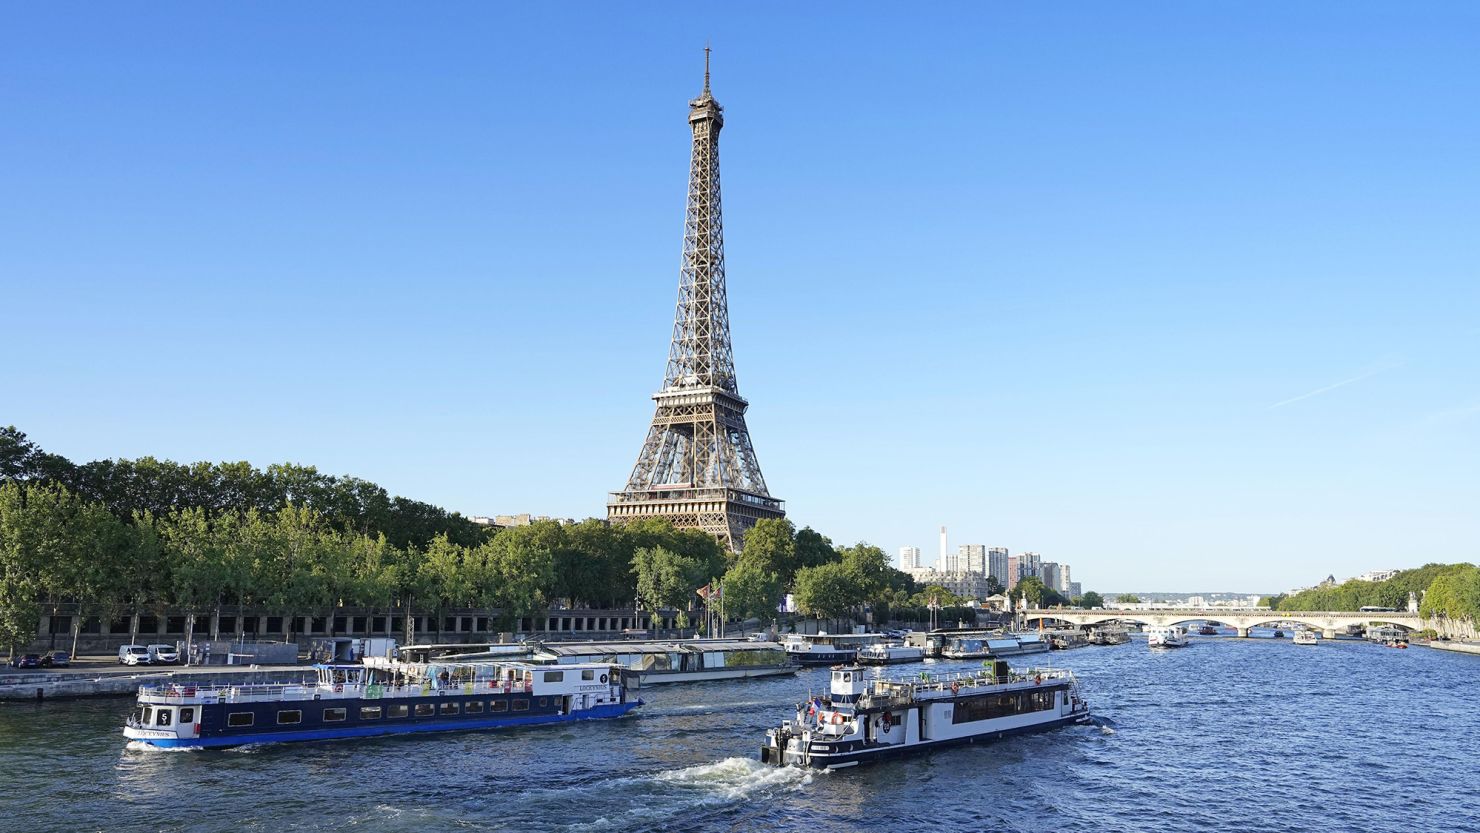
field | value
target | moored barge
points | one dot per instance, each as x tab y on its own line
382	697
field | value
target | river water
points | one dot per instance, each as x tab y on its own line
1230	735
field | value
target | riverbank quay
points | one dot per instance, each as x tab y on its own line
1451	645
112	682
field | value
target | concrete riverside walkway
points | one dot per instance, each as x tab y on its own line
1452	645
97	681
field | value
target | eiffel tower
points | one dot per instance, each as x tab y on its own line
697	467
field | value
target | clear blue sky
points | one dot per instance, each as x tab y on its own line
1183	294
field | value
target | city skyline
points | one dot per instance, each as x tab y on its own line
1186	299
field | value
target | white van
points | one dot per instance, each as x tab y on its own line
134	655
167	654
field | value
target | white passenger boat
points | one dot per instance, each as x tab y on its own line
827	648
881	654
676	661
982	646
1306	638
382	697
863	719
1170	636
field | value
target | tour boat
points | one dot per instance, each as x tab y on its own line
1109	636
982	646
865	719
827	648
1306	638
382	697
1170	636
676	661
881	654
1207	630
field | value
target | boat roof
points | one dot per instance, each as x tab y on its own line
687	646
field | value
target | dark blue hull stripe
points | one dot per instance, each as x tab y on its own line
393	728
868	755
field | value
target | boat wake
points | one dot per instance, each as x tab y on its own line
734	779
140	746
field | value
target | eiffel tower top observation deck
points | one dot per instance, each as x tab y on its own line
697	466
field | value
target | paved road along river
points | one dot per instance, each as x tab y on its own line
1234	735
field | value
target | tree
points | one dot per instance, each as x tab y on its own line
1128	599
771	546
1036	592
813	549
994	587
1091	600
752	590
666	579
828	591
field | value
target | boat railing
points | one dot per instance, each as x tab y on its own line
891	693
270	692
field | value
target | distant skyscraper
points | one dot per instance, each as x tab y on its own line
1028	564
997	564
909	558
1014	572
1048	573
946	562
972	558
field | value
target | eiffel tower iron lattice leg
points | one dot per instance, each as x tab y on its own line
697	467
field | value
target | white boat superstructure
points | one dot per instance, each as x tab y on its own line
864	719
1169	636
1306	637
676	661
881	654
827	648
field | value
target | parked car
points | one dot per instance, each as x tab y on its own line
57	659
26	661
166	654
134	655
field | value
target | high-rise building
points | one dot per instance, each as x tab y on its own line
1075	591
972	558
1014	571
1048	573
1028	564
909	558
697	466
997	564
947	563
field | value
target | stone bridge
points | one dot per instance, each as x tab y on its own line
1330	622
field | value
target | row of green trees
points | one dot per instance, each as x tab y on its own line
1447	589
158	487
56	546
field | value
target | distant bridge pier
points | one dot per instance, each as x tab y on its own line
1329	633
1242	633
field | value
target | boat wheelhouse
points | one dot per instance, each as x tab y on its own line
676	661
382	697
881	654
865	719
827	648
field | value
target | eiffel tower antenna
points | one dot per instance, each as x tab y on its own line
697	466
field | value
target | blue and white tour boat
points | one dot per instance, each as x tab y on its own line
865	719
381	697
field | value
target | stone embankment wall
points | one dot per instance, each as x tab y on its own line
1453	628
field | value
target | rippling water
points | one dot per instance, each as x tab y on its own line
1235	735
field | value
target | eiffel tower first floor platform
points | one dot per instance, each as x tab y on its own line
725	513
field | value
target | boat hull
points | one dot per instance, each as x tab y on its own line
463	724
852	758
648	678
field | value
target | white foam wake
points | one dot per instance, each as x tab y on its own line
733	779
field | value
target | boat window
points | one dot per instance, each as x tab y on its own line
290	717
498	705
396	711
335	715
554	676
148	715
474	707
163	717
424	709
449	708
369	712
588	674
544	701
187	715
239	719
521	705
